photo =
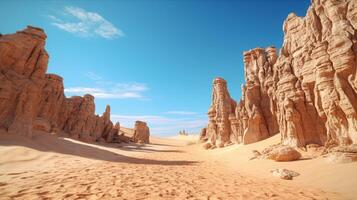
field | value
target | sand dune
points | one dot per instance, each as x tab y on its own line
58	168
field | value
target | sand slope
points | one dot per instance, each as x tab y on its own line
57	168
314	173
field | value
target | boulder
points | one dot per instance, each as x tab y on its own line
284	153
207	145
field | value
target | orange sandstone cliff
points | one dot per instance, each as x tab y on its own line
30	99
307	92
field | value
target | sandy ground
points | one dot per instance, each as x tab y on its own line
48	167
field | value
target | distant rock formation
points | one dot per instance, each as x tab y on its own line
183	133
141	133
31	99
308	92
219	127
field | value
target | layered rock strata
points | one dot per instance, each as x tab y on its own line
219	128
308	92
31	99
316	93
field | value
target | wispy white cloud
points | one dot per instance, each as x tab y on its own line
179	112
104	89
53	18
101	93
82	90
93	76
85	23
163	125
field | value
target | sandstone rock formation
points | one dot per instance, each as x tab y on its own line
308	92
254	117
31	99
141	133
257	94
219	127
316	68
203	135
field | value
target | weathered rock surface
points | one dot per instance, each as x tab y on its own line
342	154
31	100
257	103
308	92
141	133
219	130
203	135
207	145
283	153
279	153
284	173
316	95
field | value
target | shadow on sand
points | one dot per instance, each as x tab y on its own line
51	143
145	148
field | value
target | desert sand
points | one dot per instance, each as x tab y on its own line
52	167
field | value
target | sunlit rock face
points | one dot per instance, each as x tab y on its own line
316	91
23	63
257	103
219	128
141	133
308	92
31	99
254	117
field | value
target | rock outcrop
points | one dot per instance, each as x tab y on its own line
219	127
316	69
257	94
308	92
141	133
31	99
203	135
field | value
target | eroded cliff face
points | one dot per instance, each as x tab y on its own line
316	93
257	101
31	99
308	92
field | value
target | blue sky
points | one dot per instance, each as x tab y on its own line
152	60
